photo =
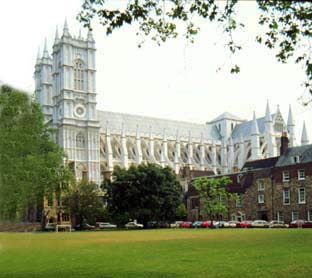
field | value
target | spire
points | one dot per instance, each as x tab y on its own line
107	129
38	56
90	36
123	130
177	136
304	135
65	29
254	125
268	117
290	120
56	39
137	134
80	37
45	50
150	132
164	135
291	128
202	139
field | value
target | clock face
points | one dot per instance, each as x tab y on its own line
80	111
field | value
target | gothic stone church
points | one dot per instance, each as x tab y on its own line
95	141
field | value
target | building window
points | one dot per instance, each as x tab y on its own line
286	197
294	215
301	174
80	140
261	186
296	159
78	75
286	176
310	215
239	201
280	216
261	199
301	195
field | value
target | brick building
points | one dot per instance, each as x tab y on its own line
276	188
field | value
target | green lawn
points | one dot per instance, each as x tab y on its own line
158	253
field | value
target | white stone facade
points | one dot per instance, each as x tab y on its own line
95	141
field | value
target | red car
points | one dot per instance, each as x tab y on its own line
206	224
297	223
244	224
307	224
186	225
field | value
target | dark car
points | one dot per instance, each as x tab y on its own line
84	226
297	223
163	224
307	224
152	224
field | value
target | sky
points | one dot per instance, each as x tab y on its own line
177	80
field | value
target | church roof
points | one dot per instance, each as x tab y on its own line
303	152
228	116
115	120
244	129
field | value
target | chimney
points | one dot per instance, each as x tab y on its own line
284	143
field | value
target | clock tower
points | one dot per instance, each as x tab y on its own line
74	102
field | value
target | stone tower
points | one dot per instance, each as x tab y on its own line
72	80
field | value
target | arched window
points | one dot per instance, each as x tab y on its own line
78	75
80	140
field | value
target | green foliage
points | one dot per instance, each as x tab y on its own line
30	162
287	24
213	194
181	212
146	192
83	202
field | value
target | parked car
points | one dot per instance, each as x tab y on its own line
176	224
277	224
134	225
106	225
244	224
50	227
206	224
219	224
163	224
230	224
296	223
151	224
260	224
84	226
186	224
197	224
307	224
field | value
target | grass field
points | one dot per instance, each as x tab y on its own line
158	253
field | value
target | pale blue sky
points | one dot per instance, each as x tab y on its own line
177	80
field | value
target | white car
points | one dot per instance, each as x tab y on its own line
106	225
230	224
260	224
134	225
277	224
176	224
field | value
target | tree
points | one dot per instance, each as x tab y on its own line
146	192
181	211
83	202
288	24
31	164
213	195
